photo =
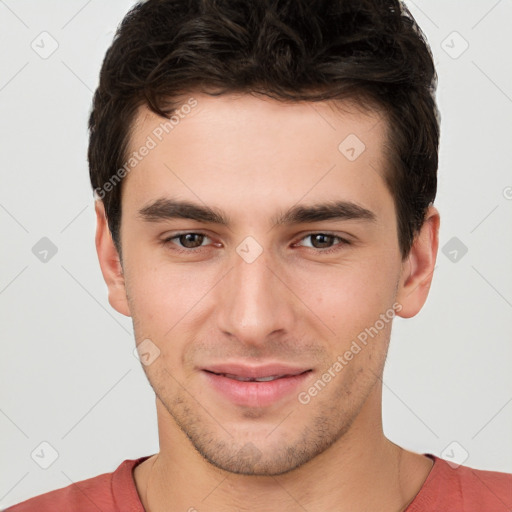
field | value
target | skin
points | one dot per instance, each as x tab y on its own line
253	158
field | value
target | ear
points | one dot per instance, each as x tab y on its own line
110	262
418	268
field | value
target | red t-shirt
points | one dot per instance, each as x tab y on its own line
445	490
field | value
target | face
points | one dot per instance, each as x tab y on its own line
261	266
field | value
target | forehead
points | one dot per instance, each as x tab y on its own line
250	114
256	149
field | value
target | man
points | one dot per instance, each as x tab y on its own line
265	175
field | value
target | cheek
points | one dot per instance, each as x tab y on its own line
164	296
347	296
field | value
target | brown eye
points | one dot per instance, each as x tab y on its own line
191	240
185	242
321	240
324	242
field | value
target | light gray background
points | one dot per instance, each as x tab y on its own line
68	373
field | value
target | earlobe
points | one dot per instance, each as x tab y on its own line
418	269
110	263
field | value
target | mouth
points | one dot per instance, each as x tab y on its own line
268	378
255	386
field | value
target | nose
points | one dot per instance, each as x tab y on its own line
255	302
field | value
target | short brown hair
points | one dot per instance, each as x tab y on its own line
371	51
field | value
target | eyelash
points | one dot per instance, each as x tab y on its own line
168	241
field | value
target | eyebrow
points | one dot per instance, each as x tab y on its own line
167	209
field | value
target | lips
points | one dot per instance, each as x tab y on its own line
250	379
255	386
243	372
242	378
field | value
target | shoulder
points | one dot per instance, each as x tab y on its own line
484	488
108	492
463	489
